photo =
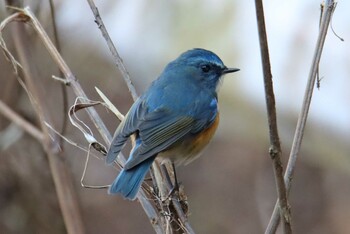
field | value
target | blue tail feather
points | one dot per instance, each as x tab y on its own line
129	181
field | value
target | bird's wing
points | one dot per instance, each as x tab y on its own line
158	134
157	130
127	127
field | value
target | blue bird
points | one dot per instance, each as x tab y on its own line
175	118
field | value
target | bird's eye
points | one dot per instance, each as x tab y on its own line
205	68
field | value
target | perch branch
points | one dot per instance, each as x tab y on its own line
184	224
161	174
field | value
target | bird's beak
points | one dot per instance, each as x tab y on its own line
229	70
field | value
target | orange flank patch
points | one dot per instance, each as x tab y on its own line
189	149
202	139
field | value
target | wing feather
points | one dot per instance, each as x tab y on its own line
160	137
127	127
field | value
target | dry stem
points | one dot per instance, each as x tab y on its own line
275	146
114	52
21	122
299	132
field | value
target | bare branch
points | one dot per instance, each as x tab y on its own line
67	197
27	16
275	145
62	80
115	54
58	46
67	73
21	122
299	132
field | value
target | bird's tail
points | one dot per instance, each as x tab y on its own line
129	181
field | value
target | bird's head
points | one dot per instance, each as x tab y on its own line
203	65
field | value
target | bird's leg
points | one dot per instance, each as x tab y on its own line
153	179
172	187
176	184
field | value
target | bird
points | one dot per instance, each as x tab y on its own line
175	118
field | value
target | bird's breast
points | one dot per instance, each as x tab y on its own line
189	148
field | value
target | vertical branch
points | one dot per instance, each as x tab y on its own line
63	86
275	146
299	132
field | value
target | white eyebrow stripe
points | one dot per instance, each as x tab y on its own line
216	63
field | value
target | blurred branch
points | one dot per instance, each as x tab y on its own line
21	122
95	118
115	54
299	132
160	175
67	197
61	175
58	46
25	15
275	145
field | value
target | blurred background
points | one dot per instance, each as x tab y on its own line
231	187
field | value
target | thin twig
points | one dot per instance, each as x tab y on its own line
21	122
63	86
299	132
110	105
115	54
335	34
275	145
84	172
73	143
62	80
56	56
5	50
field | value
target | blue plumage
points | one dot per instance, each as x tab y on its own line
175	118
129	181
